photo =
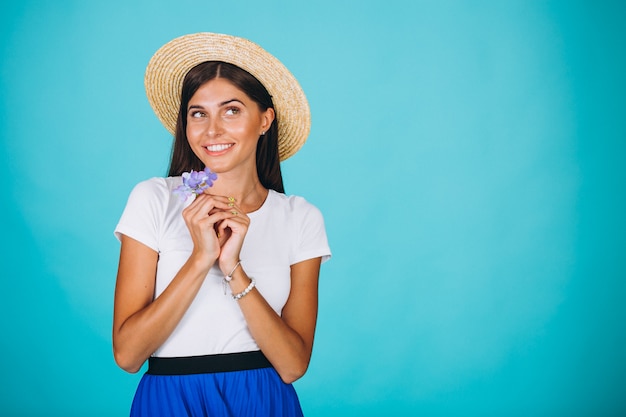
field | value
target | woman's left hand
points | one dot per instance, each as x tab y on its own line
231	233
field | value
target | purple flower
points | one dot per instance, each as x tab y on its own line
195	182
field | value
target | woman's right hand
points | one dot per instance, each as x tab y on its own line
202	217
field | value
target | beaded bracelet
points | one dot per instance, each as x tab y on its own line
249	288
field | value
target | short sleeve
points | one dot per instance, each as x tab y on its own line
312	241
143	213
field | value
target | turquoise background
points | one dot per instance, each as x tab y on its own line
468	157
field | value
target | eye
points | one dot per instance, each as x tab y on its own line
196	114
232	111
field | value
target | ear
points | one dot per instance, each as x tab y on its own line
267	117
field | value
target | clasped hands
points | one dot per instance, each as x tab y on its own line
218	227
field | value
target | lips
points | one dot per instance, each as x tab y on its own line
219	147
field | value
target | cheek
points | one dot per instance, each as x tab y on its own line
193	130
242	130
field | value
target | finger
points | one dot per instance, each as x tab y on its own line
231	208
219	198
226	203
201	206
207	205
219	217
237	223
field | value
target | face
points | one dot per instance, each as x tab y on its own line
224	125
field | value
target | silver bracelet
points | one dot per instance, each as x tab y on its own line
249	288
229	277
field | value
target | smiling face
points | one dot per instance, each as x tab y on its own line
224	125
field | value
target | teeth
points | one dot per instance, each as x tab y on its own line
218	148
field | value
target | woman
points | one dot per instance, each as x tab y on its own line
219	292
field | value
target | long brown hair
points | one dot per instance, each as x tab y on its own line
267	158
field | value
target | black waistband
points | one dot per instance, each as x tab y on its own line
209	364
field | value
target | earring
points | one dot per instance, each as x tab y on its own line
263	133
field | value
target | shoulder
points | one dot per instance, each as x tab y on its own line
155	195
295	207
145	211
306	225
156	186
292	203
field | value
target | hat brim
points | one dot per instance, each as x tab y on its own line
169	65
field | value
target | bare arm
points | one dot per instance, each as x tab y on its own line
141	325
286	341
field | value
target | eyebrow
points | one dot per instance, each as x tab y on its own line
223	103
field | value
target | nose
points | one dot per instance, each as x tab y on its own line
214	126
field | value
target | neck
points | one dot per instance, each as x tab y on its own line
247	191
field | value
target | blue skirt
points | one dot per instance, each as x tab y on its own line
249	392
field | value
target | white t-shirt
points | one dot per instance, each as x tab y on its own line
284	231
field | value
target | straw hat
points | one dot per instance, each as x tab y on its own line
170	64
